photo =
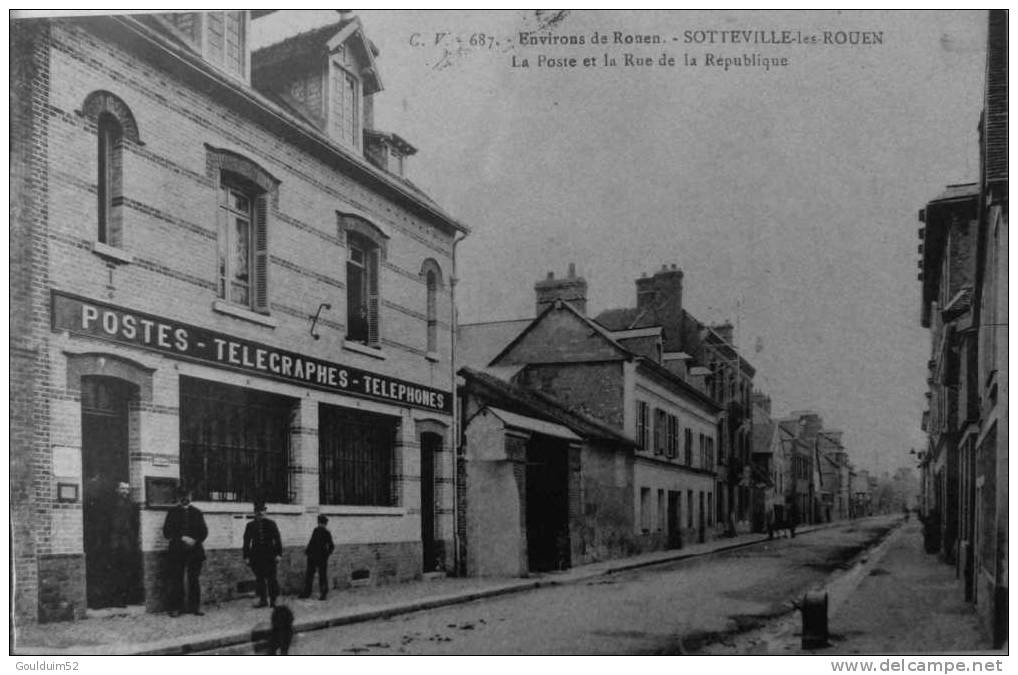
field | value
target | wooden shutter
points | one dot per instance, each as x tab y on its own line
372	264
261	254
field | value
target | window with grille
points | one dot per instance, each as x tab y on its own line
234	442
356	454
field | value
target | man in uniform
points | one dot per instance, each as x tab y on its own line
185	529
123	545
263	550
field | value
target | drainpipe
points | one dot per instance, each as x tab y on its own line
455	413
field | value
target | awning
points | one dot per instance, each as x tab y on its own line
530	424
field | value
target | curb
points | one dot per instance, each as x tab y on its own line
259	635
182	646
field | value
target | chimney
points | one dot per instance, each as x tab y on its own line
662	291
762	401
726	331
572	289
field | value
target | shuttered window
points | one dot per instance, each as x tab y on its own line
356	454
344	105
242	244
642	421
659	431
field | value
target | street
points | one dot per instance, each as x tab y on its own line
674	608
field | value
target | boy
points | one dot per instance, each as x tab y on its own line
318	551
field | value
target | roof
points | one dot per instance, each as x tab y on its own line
511	419
626	319
536	404
255	105
395	140
478	343
957	191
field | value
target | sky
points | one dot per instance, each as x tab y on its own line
788	196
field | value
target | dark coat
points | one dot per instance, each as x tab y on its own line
320	547
185	521
262	540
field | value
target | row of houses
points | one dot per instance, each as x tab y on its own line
963	272
223	277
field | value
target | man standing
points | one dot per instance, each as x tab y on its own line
123	546
263	550
318	551
185	529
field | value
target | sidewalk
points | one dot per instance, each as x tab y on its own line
908	603
238	622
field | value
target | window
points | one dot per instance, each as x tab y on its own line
110	179
242	259
244	190
356	454
220	36
234	442
659	431
689	447
673	436
703	451
344	105
642	413
432	274
689	508
361	290
432	283
710	508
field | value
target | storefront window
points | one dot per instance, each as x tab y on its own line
234	442
356	453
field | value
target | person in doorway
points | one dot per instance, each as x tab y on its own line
123	545
263	549
318	550
185	529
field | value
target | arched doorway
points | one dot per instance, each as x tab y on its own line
112	551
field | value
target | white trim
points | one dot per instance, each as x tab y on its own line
341	510
675	356
650	331
531	424
112	253
224	307
364	349
247	508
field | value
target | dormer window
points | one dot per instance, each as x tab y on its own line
220	37
344	104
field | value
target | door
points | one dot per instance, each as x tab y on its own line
431	445
547	504
110	532
674	519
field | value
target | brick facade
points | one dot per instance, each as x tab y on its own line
181	127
